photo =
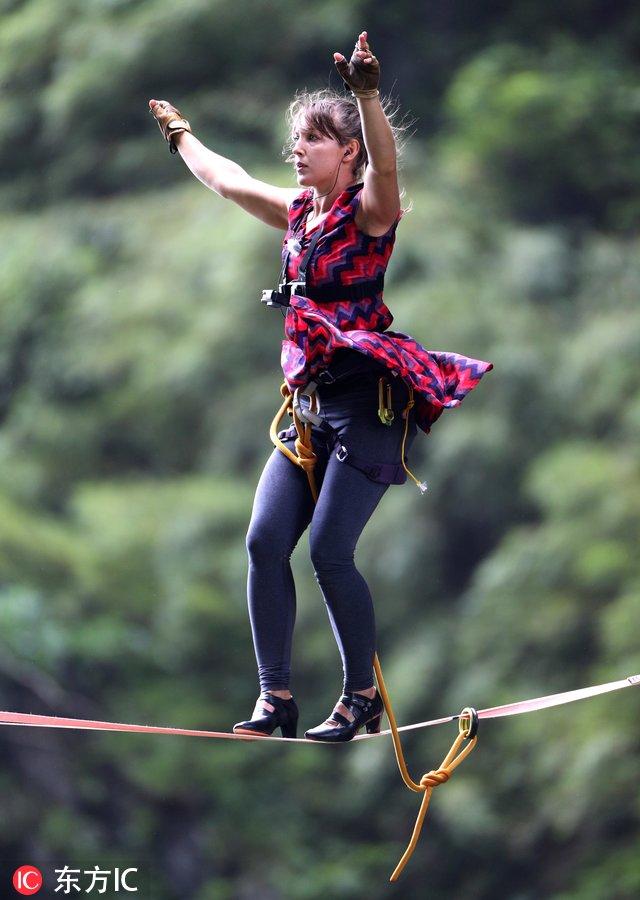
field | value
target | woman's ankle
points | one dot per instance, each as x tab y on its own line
367	692
283	694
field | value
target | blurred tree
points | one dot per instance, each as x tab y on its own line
553	135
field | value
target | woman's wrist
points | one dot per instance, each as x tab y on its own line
170	121
174	131
178	137
366	95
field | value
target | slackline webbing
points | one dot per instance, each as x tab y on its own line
494	712
460	749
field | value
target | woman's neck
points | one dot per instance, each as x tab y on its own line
322	204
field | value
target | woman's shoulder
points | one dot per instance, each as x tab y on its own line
350	197
298	207
353	196
301	199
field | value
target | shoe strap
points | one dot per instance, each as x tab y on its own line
355	702
275	701
340	719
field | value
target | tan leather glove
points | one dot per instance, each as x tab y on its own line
362	72
170	121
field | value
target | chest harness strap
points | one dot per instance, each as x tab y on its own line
322	293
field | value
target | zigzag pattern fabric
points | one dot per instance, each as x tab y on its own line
314	331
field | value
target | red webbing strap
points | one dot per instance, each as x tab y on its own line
509	709
514	709
29	719
427	783
524	706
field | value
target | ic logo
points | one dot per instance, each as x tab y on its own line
27	880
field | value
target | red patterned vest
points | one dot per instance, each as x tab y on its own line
314	330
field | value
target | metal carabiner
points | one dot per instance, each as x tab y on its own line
468	722
385	413
311	415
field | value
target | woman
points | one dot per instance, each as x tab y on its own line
339	234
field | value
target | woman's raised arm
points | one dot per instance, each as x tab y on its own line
380	201
265	201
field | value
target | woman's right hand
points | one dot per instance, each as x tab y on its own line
170	120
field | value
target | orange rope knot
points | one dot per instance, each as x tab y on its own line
306	457
434	778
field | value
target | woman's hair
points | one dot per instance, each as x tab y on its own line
337	117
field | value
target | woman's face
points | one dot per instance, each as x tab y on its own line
317	157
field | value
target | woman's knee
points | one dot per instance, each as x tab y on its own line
266	539
329	552
260	540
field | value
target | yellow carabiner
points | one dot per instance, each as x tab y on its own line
385	413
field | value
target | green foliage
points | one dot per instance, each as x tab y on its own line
138	378
541	107
552	134
80	76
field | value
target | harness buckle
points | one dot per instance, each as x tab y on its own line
281	295
342	453
293	286
310	414
325	377
274	298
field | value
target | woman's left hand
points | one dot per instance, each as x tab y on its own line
362	72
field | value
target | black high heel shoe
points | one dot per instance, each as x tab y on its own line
367	712
284	716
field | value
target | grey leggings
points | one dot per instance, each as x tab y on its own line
282	510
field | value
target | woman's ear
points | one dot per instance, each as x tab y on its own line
351	150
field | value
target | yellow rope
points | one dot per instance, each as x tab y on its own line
405	415
306	459
304	455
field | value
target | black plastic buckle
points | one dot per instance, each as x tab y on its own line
292	287
274	298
